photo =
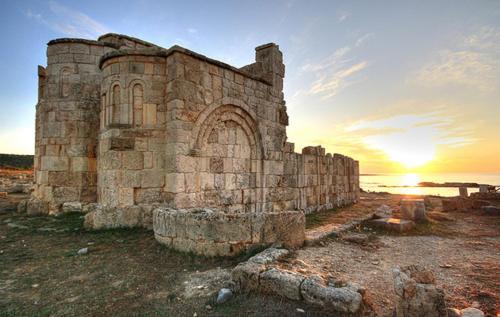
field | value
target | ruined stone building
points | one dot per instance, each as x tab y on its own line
125	127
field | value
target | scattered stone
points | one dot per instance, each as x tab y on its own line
35	285
300	310
358	238
83	251
22	205
283	283
3	194
394	224
416	293
445	266
471	312
208	307
383	211
73	206
413	209
453	312
224	295
341	299
195	314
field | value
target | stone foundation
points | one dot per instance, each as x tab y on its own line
215	233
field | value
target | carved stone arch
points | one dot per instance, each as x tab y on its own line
136	94
222	113
226	104
115	102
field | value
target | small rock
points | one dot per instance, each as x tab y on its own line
224	295
35	285
300	310
475	304
375	262
453	312
83	251
208	307
358	238
445	266
195	314
471	312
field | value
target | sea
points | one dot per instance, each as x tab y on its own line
407	184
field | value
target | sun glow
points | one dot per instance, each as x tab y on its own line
410	180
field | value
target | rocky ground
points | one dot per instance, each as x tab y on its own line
126	272
462	249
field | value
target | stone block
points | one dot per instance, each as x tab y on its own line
282	283
152	178
394	224
413	209
54	163
491	210
132	160
341	299
74	206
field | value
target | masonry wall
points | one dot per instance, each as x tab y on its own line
322	181
132	131
67	123
225	132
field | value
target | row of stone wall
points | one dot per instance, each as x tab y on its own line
323	181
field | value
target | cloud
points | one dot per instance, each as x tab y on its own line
337	71
473	63
342	16
331	84
192	30
69	22
412	139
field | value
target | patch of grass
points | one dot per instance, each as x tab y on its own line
316	219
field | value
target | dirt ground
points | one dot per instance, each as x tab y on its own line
127	273
462	249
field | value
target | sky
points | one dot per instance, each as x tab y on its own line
401	86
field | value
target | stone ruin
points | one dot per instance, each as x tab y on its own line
136	135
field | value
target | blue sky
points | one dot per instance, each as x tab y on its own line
396	84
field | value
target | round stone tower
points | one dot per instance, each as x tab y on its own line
67	123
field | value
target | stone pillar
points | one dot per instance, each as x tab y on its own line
463	192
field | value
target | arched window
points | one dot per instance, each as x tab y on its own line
64	82
137	101
116	104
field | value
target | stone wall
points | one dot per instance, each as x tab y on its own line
67	122
132	131
126	126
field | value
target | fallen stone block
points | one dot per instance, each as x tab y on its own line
471	312
394	224
413	209
71	207
341	299
246	275
491	210
37	207
358	238
416	293
282	283
22	206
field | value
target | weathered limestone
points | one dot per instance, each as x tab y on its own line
413	209
215	233
417	294
125	124
394	224
258	274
